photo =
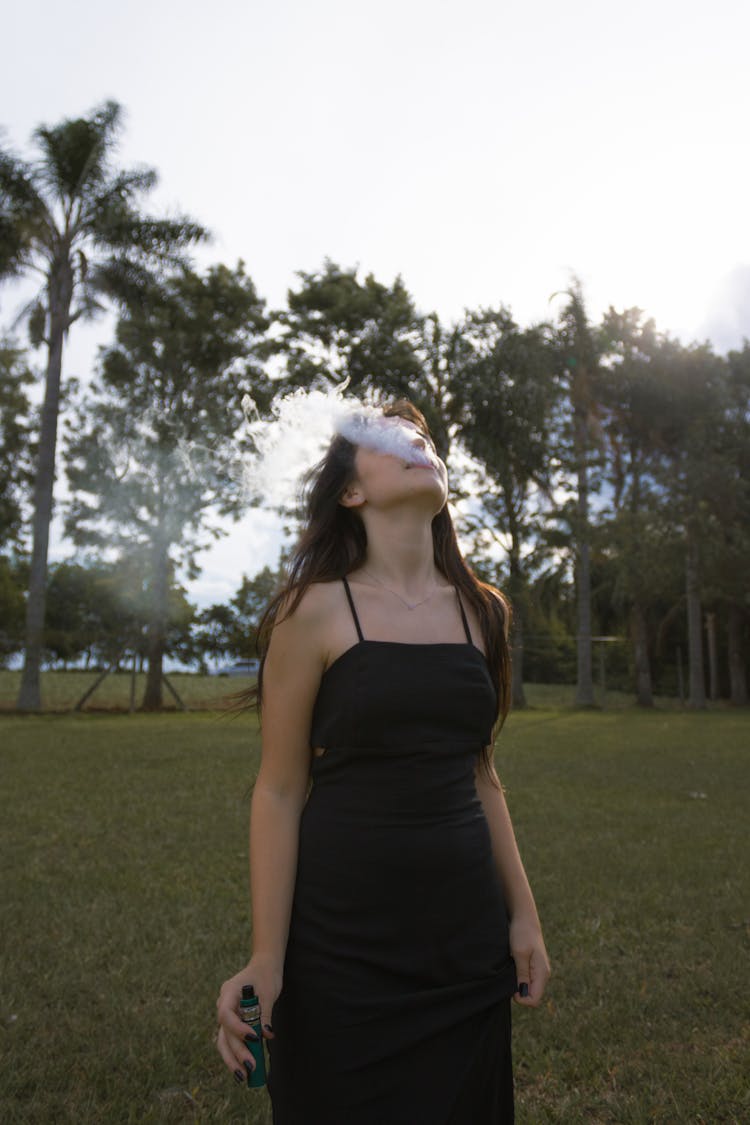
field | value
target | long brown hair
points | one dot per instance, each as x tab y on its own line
334	542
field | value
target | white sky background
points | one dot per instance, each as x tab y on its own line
482	150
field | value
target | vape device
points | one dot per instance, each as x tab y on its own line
250	1014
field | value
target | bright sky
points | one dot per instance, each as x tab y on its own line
482	149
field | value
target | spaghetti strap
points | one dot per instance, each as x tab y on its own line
463	618
351	606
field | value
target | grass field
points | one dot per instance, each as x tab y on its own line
62	690
124	907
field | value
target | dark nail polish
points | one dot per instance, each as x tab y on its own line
251	1037
239	1076
524	989
268	1027
248	1066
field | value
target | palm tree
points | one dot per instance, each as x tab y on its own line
71	217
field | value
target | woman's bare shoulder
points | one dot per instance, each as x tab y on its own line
320	596
305	633
314	608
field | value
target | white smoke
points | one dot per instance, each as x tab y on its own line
301	426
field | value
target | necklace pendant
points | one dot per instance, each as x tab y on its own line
409	605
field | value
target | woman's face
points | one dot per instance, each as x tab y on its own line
400	465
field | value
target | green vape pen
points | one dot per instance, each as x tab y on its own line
250	1014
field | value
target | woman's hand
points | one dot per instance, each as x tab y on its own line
530	956
265	975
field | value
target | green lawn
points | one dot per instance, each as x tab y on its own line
62	690
124	907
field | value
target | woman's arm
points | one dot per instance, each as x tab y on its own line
292	672
526	941
291	679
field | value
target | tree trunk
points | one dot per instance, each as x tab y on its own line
60	295
713	662
639	634
517	592
697	696
585	677
518	694
737	670
157	629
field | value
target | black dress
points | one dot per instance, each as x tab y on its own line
395	1006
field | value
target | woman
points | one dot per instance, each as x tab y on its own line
392	916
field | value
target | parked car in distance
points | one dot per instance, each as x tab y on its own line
239	668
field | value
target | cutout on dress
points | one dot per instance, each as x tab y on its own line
319	751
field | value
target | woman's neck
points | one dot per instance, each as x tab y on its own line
400	552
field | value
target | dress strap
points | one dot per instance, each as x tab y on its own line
463	618
351	606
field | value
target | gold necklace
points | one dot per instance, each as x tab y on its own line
409	605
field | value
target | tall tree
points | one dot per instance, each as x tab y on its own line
632	402
72	217
733	510
508	387
578	365
151	459
338	327
693	472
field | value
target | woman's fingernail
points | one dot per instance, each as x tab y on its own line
268	1027
251	1036
523	989
249	1067
239	1076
